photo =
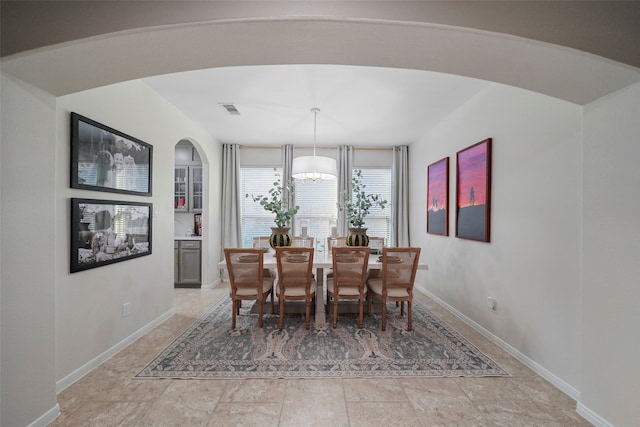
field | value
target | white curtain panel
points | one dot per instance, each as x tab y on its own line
231	221
287	165
400	197
345	163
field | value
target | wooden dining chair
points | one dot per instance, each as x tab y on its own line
248	280
295	279
348	280
399	266
263	243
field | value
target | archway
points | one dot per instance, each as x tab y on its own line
191	210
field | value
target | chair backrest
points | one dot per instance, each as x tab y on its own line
303	242
399	266
295	266
245	267
340	241
350	265
261	242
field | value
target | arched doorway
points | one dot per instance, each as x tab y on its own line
190	192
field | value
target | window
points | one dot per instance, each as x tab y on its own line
378	222
317	201
318	208
255	220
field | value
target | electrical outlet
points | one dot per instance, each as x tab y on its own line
125	309
491	303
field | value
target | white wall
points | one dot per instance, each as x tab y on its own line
532	264
89	303
28	247
611	255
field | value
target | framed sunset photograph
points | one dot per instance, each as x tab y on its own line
473	192
438	197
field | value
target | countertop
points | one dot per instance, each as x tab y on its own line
183	237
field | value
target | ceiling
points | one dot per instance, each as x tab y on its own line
365	106
393	68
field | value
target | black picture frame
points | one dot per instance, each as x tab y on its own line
105	159
105	232
438	197
473	192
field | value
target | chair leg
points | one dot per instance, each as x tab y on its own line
335	311
384	314
281	317
326	307
401	308
233	314
409	324
361	312
273	309
307	322
260	311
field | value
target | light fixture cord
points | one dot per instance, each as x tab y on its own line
315	119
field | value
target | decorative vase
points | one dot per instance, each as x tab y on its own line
280	237
357	237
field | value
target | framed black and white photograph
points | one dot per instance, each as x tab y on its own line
105	232
104	159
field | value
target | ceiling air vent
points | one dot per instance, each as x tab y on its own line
231	109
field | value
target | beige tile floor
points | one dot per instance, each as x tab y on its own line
109	396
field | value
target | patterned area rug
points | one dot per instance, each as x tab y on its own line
210	349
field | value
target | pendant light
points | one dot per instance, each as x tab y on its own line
314	168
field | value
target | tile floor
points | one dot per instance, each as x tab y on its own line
109	396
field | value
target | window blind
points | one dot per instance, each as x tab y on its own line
255	220
378	181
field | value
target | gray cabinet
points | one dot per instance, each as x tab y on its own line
195	188
181	189
187	189
187	263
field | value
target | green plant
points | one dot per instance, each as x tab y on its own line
358	204
273	202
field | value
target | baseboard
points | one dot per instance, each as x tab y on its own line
544	373
47	418
212	284
591	416
563	386
92	364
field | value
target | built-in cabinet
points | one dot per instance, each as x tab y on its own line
188	183
188	203
187	257
187	194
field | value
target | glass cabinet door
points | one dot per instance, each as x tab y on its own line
196	189
180	192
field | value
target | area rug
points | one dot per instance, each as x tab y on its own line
210	349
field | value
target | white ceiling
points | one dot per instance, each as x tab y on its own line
395	69
363	106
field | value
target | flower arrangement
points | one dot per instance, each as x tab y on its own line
273	202
359	208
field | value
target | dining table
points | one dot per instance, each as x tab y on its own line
321	260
